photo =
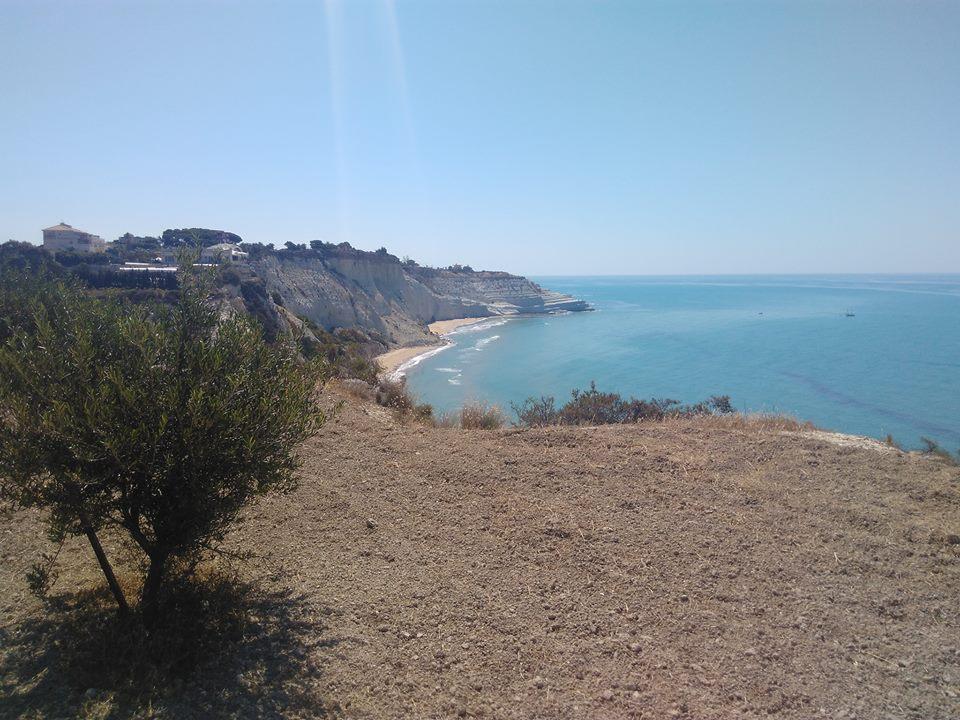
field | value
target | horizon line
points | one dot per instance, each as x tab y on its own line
859	273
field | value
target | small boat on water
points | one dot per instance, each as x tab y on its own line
849	314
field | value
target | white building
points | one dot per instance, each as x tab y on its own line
65	237
223	252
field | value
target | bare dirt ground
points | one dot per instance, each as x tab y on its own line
694	569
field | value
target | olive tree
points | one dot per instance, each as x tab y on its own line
160	422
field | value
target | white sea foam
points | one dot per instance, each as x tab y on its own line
414	361
403	368
478	327
485	341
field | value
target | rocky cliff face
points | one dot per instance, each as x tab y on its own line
502	293
338	286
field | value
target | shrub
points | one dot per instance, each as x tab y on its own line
28	258
158	422
447	420
254	291
346	351
359	388
423	412
197	237
21	291
592	407
480	416
535	412
230	276
394	394
721	405
715	405
932	447
353	365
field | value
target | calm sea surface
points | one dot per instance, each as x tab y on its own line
773	343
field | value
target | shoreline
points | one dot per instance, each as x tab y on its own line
445	327
393	362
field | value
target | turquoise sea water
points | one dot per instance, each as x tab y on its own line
773	343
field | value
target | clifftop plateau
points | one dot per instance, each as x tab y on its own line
327	286
709	568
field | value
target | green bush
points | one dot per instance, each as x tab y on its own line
593	407
197	237
348	352
534	412
160	422
229	276
394	394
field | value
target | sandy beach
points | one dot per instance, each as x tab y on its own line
443	327
392	360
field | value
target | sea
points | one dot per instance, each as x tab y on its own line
872	355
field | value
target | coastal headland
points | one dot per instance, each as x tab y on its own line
338	286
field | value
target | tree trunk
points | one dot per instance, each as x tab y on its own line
107	569
150	595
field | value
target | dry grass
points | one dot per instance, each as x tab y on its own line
745	422
423	413
394	395
472	416
78	656
447	420
709	567
481	416
932	448
359	389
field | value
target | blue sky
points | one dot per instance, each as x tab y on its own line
540	137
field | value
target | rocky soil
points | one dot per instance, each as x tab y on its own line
696	569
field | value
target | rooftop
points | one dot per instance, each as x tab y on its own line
223	246
63	226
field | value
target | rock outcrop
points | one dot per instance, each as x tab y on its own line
336	286
502	293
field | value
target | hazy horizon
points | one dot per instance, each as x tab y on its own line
543	138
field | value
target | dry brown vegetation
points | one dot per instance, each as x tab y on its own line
481	416
753	422
713	567
359	389
396	396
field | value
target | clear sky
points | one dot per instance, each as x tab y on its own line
539	137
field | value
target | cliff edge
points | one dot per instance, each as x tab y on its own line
710	568
336	286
